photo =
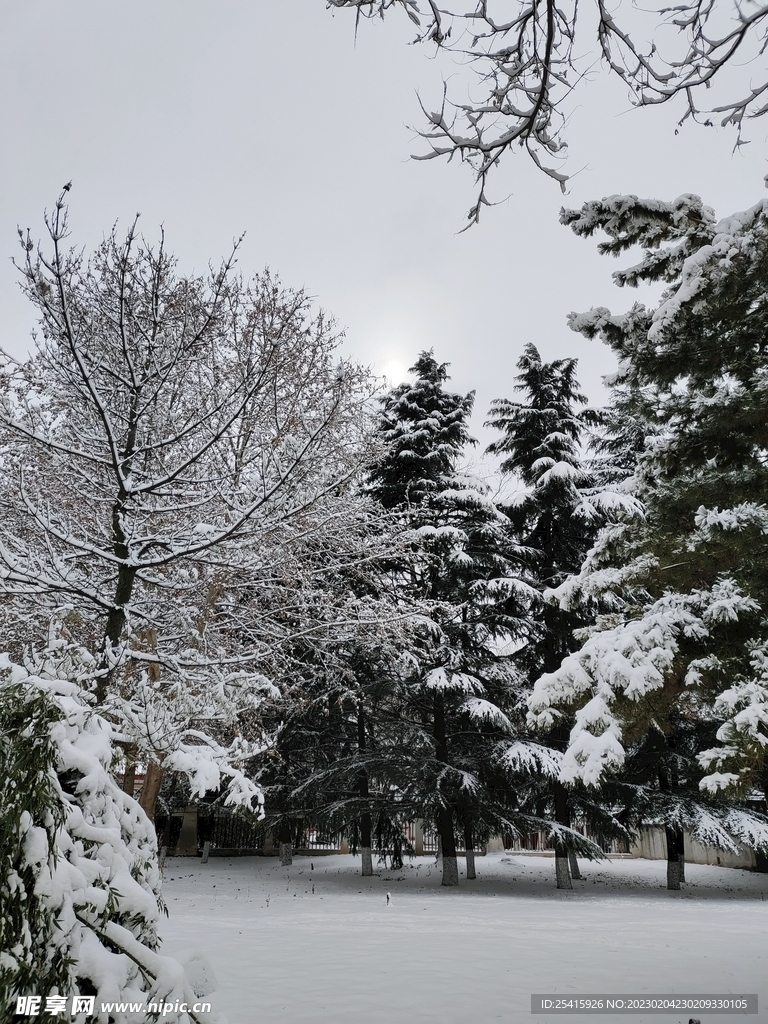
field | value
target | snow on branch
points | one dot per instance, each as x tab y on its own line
628	661
528	62
486	713
743	736
442	681
528	757
88	860
712	523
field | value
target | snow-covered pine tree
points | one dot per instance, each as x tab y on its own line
426	432
330	767
455	690
686	645
555	518
557	515
79	883
342	638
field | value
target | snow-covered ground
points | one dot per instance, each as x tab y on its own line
317	943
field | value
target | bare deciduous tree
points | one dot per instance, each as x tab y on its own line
167	441
529	58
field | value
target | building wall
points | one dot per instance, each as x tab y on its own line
652	845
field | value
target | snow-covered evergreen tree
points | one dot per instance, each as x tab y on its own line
342	638
555	517
682	656
461	749
79	882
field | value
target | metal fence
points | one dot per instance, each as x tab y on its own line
538	841
322	842
430	841
228	828
236	830
168	828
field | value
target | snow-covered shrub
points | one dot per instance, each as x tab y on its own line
80	884
31	811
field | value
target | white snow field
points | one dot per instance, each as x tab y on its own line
317	943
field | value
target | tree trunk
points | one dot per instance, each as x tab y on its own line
153	780
562	817
116	617
675	857
284	840
573	863
166	839
448	845
445	814
562	874
761	856
129	776
469	848
365	817
450	871
675	836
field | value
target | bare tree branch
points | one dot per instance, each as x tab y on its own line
528	63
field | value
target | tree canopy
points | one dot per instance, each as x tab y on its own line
676	667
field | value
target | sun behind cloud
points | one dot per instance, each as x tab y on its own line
395	371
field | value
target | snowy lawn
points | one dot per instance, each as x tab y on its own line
317	943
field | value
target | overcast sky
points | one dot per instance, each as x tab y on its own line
269	118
